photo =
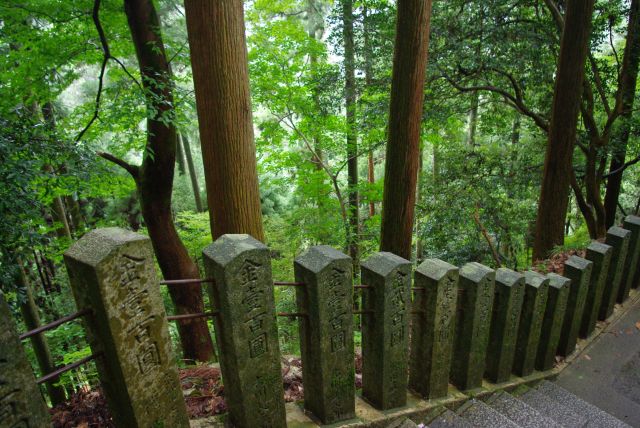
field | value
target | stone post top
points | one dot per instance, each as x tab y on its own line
476	272
319	257
578	263
384	263
599	247
435	268
535	279
558	281
97	244
508	277
227	247
618	231
635	220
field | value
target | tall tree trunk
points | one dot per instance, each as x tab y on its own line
473	118
405	118
193	174
220	74
60	215
368	81
556	179
29	311
628	80
154	178
182	170
352	133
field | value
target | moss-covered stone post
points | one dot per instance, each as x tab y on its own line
578	270
536	293
507	305
432	328
112	272
326	333
619	239
473	318
21	404
385	330
552	323
600	255
246	330
629	275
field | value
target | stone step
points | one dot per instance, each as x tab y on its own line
520	412
448	419
554	409
481	415
595	416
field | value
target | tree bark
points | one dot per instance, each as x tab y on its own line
220	74
473	118
556	179
193	174
628	80
154	178
405	118
368	81
29	311
182	170
352	133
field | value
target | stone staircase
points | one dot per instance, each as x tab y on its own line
546	405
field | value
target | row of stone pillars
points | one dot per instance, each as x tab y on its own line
454	326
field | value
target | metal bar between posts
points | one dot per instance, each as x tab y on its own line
54	374
192	316
288	284
185	281
55	324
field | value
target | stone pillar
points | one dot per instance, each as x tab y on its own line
536	293
619	239
578	270
552	323
326	333
432	328
246	330
21	404
385	330
507	305
600	255
112	272
632	224
473	316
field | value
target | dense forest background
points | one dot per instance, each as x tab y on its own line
84	83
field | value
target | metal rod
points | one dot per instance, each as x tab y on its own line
192	316
362	286
291	314
362	312
56	373
185	281
288	284
55	324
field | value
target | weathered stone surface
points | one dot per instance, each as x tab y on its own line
507	305
473	318
630	272
432	328
553	318
533	309
112	272
578	270
246	330
600	255
619	239
326	333
385	331
21	404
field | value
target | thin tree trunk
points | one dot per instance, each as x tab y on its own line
193	174
371	177
368	79
405	117
220	74
182	170
60	215
473	118
154	179
628	80
556	180
29	311
352	135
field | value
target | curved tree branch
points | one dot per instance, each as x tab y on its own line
130	168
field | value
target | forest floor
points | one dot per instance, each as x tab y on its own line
202	389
